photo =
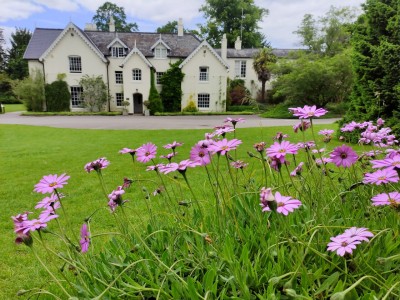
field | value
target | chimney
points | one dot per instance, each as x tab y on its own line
224	46
180	27
111	25
238	43
90	27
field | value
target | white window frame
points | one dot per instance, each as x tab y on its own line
158	77
240	68
118	52
203	74
160	52
203	100
76	96
137	74
119	77
119	98
75	64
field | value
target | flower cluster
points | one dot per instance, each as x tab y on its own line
347	241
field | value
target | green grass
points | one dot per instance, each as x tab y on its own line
28	153
14	107
280	111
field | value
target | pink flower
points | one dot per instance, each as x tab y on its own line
392	198
146	152
326	132
297	170
224	130
260	147
173	145
223	146
239	164
279	150
85	238
280	136
308	112
381	176
181	167
128	150
200	154
156	168
285	204
169	156
307	145
37	224
302	126
19	222
234	121
393	163
266	197
343	156
342	246
49	183
358	234
47	201
97	165
116	198
50	211
325	160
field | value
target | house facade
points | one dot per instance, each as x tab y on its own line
125	61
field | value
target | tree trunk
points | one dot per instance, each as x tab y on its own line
263	91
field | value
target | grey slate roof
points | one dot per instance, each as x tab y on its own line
249	53
41	39
181	46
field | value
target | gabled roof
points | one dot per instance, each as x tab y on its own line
207	45
81	34
116	40
41	40
137	51
160	41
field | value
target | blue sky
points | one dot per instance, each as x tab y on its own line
284	18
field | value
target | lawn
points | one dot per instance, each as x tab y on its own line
28	153
14	107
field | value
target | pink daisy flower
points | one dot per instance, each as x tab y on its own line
392	198
85	238
302	126
279	150
260	147
116	198
200	154
181	167
49	211
234	121
223	146
324	161
381	176
327	132
285	204
393	163
157	167
239	164
358	234
49	183
128	151
146	152
342	246
266	197
97	165
47	201
173	145
297	170
308	112
344	156
224	130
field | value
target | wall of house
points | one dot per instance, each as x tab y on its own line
251	80
57	61
161	65
114	65
130	86
215	86
35	66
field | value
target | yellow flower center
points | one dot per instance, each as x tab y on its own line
53	184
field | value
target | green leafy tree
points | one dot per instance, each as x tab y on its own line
330	34
17	67
2	51
172	27
315	80
57	95
94	93
31	91
154	103
171	93
262	65
108	9
234	18
376	59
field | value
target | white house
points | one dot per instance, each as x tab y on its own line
125	60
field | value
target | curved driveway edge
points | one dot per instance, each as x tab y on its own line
142	122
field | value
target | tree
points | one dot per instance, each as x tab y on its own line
94	93
262	65
376	43
2	51
172	27
171	93
234	18
17	67
330	34
108	9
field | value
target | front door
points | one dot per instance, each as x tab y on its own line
137	103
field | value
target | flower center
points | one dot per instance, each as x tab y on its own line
224	148
310	114
280	204
344	244
147	153
382	178
201	154
343	155
282	151
52	184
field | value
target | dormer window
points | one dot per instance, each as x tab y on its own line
160	52
117	52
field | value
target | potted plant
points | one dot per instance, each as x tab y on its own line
125	104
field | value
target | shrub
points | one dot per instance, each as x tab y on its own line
94	93
191	107
57	96
238	94
154	104
31	91
6	90
171	92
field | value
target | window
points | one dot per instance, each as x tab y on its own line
203	100
117	52
203	74
119	98
158	77
76	93
240	68
119	79
136	74
160	52
75	65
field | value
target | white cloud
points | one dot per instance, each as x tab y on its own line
17	10
62	5
7	31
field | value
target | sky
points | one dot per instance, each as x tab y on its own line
284	15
